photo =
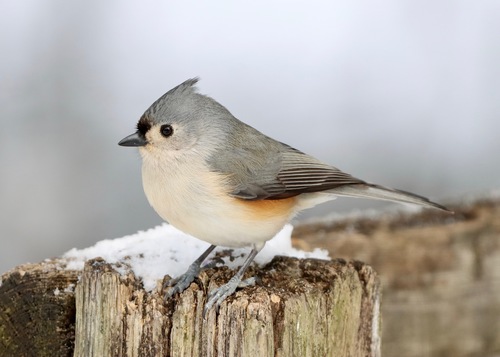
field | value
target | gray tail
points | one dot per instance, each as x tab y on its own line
368	190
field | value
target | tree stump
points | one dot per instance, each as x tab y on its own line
300	307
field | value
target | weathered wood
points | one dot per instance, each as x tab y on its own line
302	308
440	275
37	311
299	308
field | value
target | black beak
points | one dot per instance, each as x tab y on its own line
133	140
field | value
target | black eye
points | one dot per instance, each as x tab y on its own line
166	130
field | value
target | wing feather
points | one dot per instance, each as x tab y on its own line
291	174
277	171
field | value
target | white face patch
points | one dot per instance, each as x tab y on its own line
173	146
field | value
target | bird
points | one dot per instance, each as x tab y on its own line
224	182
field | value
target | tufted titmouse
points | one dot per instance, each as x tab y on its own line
222	181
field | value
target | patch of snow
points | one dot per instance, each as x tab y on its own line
165	250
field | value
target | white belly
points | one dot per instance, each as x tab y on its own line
194	200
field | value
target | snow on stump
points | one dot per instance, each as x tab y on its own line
299	307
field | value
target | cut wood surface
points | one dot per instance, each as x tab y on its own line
299	308
37	311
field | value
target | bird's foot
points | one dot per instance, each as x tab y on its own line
182	282
218	295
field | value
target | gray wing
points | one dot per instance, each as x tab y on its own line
274	170
262	168
293	174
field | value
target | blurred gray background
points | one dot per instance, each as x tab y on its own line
404	94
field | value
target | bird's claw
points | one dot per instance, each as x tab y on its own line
181	283
218	295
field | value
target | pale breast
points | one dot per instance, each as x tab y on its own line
196	201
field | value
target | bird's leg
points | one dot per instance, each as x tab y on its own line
181	283
218	295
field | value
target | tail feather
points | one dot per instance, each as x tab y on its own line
383	193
